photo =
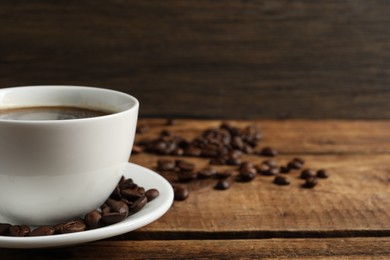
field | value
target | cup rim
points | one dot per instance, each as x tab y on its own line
131	98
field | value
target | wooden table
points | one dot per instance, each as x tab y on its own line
345	216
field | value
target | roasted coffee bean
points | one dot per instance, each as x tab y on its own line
136	149
127	184
131	194
93	219
4	228
247	175
269	152
221	160
71	227
165	165
180	192
245	165
232	161
187	176
112	218
263	169
185	166
322	174
141	129
222	185
281	180
105	209
310	183
118	206
284	169
42	231
138	205
294	165
116	194
271	163
307	173
165	133
19	230
300	160
151	194
206	173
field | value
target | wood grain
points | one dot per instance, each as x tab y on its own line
335	248
353	201
214	59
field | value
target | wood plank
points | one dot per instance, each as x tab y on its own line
353	201
336	248
236	59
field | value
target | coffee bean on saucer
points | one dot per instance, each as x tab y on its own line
222	184
19	230
77	225
180	192
118	206
93	219
131	194
151	194
42	231
165	165
138	205
322	174
4	228
307	173
310	182
281	180
112	218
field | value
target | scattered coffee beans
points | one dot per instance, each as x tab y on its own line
307	174
268	151
126	199
207	173
322	174
180	192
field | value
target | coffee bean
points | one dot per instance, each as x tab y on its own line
307	174
185	166
105	209
192	151
70	227
269	152
245	165
300	160
233	161
218	161
222	185
284	169
165	165
19	230
294	165
112	218
271	163
206	173
93	219
4	228
118	206
116	194
138	205
281	180
322	174
310	183
180	192
151	194
131	194
263	169
224	174
247	175
42	231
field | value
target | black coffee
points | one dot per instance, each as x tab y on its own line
50	113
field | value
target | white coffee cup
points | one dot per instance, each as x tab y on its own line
54	170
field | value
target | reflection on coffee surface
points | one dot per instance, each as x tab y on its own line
50	113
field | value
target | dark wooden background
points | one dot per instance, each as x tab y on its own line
206	58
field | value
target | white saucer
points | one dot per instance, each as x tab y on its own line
152	211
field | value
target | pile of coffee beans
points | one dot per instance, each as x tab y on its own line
224	145
126	199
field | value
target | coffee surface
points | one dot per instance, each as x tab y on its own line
50	113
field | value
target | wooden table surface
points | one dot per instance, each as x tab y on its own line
345	216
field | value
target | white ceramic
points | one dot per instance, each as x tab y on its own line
54	170
151	212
